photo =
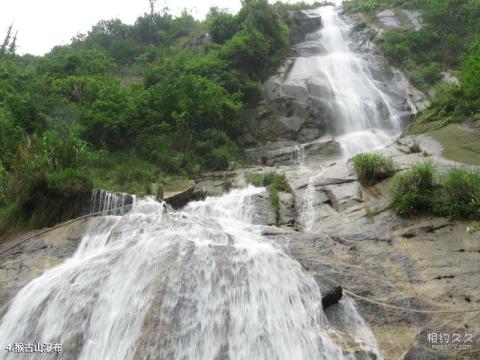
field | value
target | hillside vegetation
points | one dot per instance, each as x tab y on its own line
124	106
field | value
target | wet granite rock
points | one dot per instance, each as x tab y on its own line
265	215
300	23
179	193
331	291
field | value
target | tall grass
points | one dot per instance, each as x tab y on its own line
460	194
371	168
271	178
412	190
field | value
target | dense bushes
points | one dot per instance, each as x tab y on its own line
412	190
470	82
421	190
155	89
56	197
460	194
42	183
371	168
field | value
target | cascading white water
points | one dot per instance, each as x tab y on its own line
204	283
309	218
299	155
364	118
115	203
198	284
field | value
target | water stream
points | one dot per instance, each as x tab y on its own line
202	283
364	118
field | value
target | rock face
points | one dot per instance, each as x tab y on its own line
306	108
400	19
393	78
289	152
300	23
389	19
265	215
426	262
21	262
179	193
331	291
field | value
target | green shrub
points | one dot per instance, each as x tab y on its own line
361	6
58	179
3	184
11	218
56	197
271	178
371	168
300	5
124	172
460	194
412	190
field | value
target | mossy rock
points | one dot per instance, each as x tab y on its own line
56	198
177	193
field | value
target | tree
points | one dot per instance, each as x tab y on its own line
152	6
222	26
9	44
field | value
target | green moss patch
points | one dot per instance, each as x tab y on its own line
459	144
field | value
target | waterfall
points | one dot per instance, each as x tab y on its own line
299	155
202	283
341	80
116	203
309	213
149	282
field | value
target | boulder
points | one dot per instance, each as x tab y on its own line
319	89
421	353
330	290
389	19
179	193
301	23
287	208
280	151
264	214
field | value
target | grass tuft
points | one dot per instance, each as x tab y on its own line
371	168
460	194
412	189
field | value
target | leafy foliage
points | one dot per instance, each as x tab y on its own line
301	5
129	104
